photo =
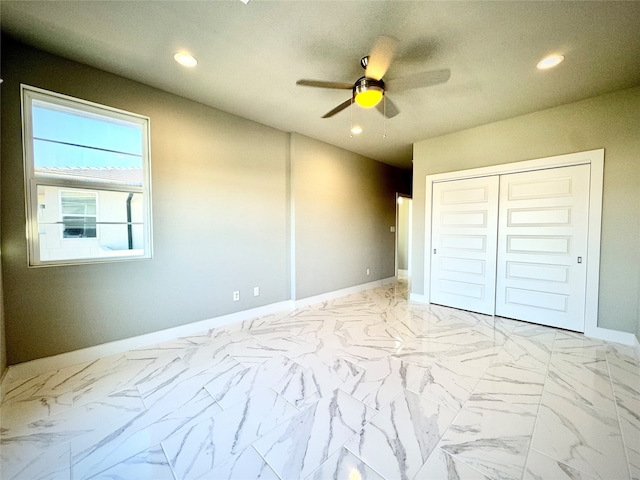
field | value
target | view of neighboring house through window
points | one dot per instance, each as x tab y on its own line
78	210
87	180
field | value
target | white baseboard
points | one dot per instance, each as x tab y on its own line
55	362
612	335
303	302
42	365
417	297
637	343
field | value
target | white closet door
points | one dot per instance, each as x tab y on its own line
542	246
463	255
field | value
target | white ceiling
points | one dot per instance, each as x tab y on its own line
250	57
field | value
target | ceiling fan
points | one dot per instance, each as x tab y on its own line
369	90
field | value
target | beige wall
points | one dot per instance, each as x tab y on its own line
221	194
610	122
219	218
344	206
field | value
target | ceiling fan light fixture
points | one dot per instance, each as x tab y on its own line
369	98
550	61
368	92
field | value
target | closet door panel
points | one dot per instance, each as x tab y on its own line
463	256
542	246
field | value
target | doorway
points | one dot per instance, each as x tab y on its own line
403	236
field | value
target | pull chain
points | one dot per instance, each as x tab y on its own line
351	110
384	117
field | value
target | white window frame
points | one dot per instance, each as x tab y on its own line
28	95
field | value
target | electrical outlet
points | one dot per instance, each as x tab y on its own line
368	272
256	291
236	295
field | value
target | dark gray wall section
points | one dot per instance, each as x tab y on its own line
3	344
608	121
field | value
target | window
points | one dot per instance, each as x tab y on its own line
87	174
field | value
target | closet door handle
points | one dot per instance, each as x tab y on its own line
579	259
434	251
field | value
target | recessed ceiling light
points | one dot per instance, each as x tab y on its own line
185	59
550	61
356	129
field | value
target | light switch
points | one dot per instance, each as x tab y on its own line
392	229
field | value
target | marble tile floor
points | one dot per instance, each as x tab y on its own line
368	386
